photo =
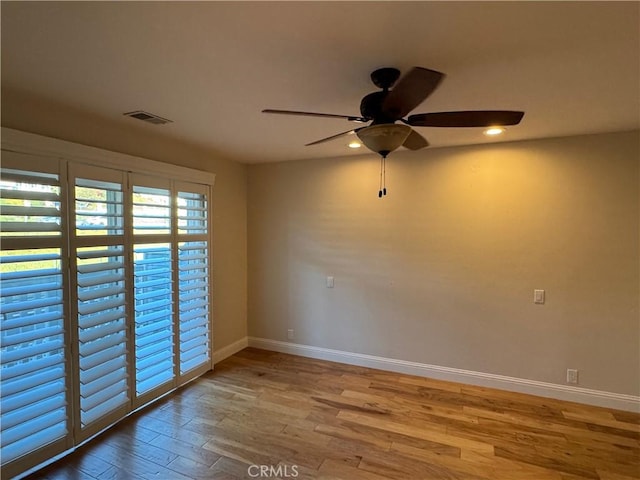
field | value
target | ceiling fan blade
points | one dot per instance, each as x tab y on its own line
410	91
314	114
333	137
415	141
474	118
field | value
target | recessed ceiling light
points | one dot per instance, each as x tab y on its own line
494	131
355	145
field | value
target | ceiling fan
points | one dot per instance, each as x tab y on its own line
386	107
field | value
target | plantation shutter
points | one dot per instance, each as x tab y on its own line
153	285
99	260
104	302
194	277
34	406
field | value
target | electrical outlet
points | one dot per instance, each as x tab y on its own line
572	375
290	334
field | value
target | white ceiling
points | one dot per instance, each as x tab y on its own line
211	67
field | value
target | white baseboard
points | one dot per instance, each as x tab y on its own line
532	387
225	352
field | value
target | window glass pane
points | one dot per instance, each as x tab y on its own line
29	204
98	208
151	211
192	213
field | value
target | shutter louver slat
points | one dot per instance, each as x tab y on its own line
103	318
193	286
32	336
107	399
113	252
195	294
15	396
32	375
143	320
109	303
194	302
93	280
105	343
32	411
23	290
193	354
188	338
155	293
89	361
99	267
27	428
101	379
191	314
40	303
101	292
30	380
42	436
40	274
50	346
11	193
29	211
157	369
194	276
31	257
101	332
25	368
24	228
153	338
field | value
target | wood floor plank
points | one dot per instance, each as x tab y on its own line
605	422
433	435
186	450
344	422
333	470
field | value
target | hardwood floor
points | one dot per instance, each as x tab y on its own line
311	419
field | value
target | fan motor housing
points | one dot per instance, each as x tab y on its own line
371	108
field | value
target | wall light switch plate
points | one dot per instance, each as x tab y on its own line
330	282
538	296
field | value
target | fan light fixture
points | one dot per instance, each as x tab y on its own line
494	131
384	138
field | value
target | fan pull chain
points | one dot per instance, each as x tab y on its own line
381	170
384	175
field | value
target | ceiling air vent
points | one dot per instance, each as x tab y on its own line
147	117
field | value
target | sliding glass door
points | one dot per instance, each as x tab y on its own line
104	301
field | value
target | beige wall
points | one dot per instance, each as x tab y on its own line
442	270
29	114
